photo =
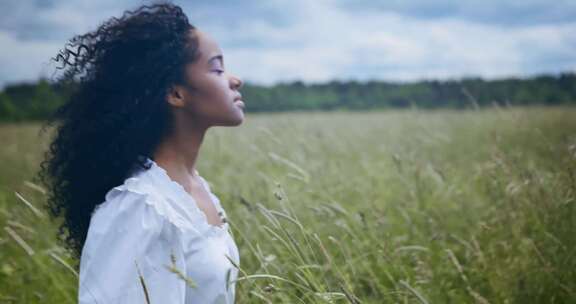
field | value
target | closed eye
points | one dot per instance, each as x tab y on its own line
218	71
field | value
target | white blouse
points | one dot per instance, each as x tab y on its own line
151	228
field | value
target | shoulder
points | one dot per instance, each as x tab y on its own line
127	197
141	197
128	239
126	213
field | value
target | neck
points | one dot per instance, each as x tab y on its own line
179	151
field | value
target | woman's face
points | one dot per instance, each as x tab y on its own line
211	97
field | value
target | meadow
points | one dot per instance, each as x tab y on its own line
402	206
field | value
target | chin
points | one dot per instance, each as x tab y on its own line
240	118
239	121
235	121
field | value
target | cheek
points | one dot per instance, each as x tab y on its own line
210	98
217	94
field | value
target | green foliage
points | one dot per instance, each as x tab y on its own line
38	101
7	108
403	206
29	101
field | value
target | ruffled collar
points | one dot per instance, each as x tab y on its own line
179	194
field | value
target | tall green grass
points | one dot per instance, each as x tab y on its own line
380	207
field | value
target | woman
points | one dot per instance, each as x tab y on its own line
122	167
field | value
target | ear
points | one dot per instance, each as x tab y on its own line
175	96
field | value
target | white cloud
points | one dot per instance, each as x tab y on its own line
27	44
317	41
25	60
326	42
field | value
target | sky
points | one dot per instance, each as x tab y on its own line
272	41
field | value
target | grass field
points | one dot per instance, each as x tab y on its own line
381	207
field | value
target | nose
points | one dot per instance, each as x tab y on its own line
237	83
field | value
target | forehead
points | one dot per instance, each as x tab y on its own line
207	46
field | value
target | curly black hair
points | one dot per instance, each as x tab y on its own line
117	112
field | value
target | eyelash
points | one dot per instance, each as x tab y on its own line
219	71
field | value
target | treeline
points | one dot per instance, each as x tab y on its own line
36	101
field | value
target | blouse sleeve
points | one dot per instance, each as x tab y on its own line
126	256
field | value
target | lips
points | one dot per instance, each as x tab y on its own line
238	101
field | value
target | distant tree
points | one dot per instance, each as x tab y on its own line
27	101
8	111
